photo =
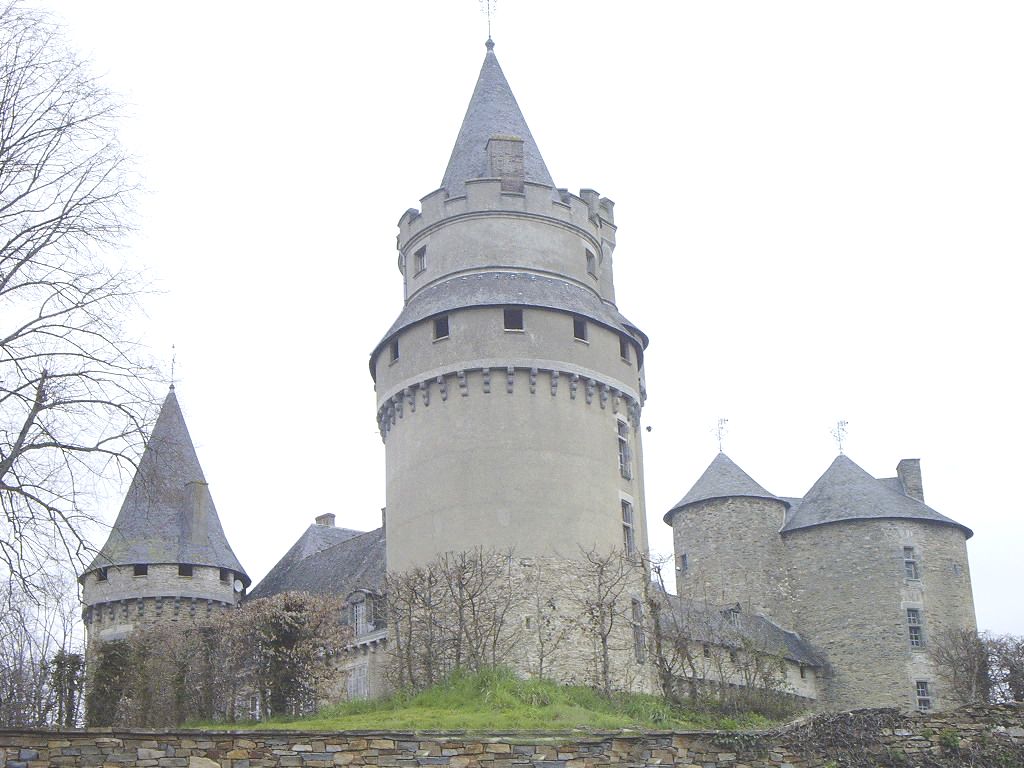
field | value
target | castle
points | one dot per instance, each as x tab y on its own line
509	397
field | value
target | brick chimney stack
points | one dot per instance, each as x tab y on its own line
326	519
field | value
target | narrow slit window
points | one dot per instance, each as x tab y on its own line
420	259
683	563
185	570
628	536
579	329
140	570
625	460
441	327
910	563
591	264
513	319
914	627
394	350
624	349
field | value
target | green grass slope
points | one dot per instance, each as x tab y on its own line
498	701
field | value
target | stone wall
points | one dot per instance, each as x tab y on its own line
981	736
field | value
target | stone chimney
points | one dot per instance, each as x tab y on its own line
326	519
909	473
505	154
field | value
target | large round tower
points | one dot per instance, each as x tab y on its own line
509	388
166	560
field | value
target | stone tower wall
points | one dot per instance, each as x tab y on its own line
734	554
124	603
488	227
851	598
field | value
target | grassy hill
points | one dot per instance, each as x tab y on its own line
498	701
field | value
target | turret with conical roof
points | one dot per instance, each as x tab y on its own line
166	558
727	545
509	388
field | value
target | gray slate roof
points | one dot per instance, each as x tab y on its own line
504	289
492	111
168	515
722	479
727	627
355	562
847	492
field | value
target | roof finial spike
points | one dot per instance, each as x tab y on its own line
174	360
487	7
839	433
720	432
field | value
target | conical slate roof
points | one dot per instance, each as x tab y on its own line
168	515
492	111
721	480
847	492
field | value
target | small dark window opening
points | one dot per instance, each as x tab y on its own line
684	563
591	264
394	350
101	574
184	570
734	657
624	348
140	570
707	650
579	328
441	327
421	259
225	575
513	319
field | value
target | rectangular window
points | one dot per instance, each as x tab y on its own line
914	626
420	258
513	319
591	264
639	643
625	463
357	683
624	348
628	541
140	570
394	350
360	625
910	563
924	696
441	327
706	649
803	672
254	708
579	328
225	575
101	574
682	563
184	570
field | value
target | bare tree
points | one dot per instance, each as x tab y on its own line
1006	656
962	657
73	394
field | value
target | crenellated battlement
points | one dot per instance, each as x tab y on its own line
588	212
588	388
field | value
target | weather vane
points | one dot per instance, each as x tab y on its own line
720	431
487	7
174	360
839	433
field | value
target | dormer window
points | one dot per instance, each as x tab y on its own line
420	260
101	574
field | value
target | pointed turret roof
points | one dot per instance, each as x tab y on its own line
493	111
168	515
721	480
847	492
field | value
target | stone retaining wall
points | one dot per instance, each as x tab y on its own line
981	736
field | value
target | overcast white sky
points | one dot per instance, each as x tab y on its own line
819	208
